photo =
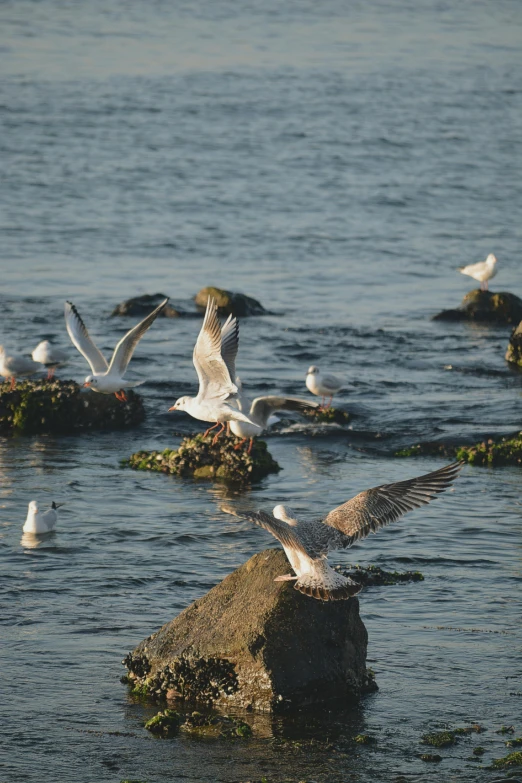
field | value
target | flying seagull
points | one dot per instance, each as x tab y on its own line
14	365
308	542
214	358
41	522
49	356
483	271
108	378
323	385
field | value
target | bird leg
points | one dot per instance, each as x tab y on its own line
13	383
216	436
250	445
50	373
329	404
238	445
285	578
210	429
120	395
228	428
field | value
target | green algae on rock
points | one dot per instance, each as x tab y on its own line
514	350
328	415
505	451
439	739
227	460
512	760
56	406
431	757
164	724
486	307
229	303
364	739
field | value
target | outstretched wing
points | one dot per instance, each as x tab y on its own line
214	378
368	511
125	348
81	339
263	407
230	345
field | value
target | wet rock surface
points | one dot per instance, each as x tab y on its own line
373	576
229	302
328	415
228	460
256	644
58	406
506	450
514	350
141	306
486	306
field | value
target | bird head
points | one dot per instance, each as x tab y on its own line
313	370
33	507
180	404
91	382
491	260
285	514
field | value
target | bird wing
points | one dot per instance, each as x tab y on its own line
263	407
20	365
370	510
332	382
81	339
214	378
125	348
230	345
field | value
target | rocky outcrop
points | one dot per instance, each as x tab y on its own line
256	644
485	307
226	460
229	303
140	306
514	351
506	450
57	406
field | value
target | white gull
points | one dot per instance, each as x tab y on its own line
38	522
323	385
50	356
482	271
14	365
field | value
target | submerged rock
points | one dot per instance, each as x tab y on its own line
373	576
486	306
141	306
512	760
227	460
229	303
58	406
257	644
503	451
328	415
514	351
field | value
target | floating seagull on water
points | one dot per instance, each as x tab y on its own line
308	542
483	271
261	410
214	358
37	523
323	385
15	365
49	356
105	378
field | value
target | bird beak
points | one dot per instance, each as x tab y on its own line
173	408
87	384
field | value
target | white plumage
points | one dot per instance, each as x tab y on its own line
483	271
50	356
14	365
323	385
38	522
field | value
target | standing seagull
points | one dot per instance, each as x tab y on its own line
308	542
15	365
260	411
214	358
37	523
483	271
323	385
49	356
105	378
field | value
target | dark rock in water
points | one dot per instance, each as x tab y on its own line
486	306
141	306
327	415
164	724
431	757
514	351
229	303
227	460
373	576
257	644
58	406
506	450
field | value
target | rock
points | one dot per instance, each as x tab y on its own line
229	303
514	351
164	724
199	458
257	644
431	757
486	306
512	760
141	306
373	576
58	406
440	739
504	451
327	415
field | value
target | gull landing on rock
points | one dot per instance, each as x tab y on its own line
107	378
308	542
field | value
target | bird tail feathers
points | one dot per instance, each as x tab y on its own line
328	586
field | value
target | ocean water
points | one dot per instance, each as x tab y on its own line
337	163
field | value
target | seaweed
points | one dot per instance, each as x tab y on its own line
327	415
512	760
164	724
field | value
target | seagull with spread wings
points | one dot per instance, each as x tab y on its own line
107	378
214	358
308	542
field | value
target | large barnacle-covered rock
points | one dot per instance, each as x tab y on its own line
514	350
226	460
486	306
255	643
229	303
57	406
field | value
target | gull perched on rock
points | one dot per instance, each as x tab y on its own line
41	522
483	271
214	358
323	385
49	356
15	365
261	410
108	378
308	542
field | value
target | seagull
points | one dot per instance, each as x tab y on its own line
108	378
483	271
49	356
41	522
261	410
214	358
308	542
323	385
15	365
